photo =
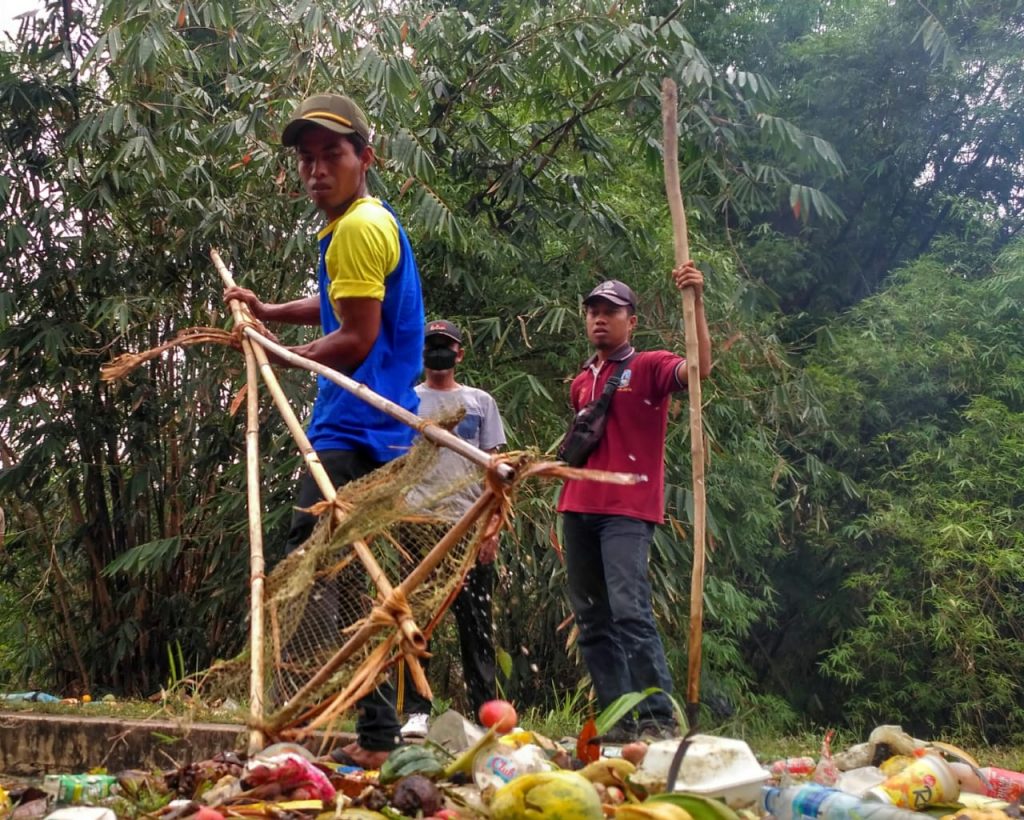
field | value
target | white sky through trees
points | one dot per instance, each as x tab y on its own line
10	9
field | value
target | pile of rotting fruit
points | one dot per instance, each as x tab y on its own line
503	772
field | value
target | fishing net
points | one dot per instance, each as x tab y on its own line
359	595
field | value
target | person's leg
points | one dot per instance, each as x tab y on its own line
588	595
377	724
413	703
625	548
472	610
321	619
415	706
342	467
416	540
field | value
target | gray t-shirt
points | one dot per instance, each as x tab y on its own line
480	426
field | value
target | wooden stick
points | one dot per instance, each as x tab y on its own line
670	151
384	588
256	562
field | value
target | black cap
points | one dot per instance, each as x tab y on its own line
616	292
442	327
331	111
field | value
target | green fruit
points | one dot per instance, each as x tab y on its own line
407	760
555	795
698	806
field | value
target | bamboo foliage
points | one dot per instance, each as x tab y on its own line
134	138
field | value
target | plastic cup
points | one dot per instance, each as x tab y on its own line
925	782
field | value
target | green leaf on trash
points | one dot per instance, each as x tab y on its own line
620	707
504	662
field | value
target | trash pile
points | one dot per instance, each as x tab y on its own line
503	772
892	776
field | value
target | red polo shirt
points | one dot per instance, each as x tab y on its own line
634	437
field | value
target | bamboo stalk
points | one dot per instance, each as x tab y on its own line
384	588
256	562
670	151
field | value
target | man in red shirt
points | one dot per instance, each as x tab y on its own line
608	528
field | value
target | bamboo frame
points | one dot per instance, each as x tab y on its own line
385	590
427	565
670	152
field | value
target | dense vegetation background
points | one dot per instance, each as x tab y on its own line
854	178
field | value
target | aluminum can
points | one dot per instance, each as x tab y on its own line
78	789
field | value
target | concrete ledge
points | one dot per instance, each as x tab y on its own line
33	744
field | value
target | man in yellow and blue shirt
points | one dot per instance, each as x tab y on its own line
370	308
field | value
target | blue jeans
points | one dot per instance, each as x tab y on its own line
610	593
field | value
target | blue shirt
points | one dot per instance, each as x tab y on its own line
342	421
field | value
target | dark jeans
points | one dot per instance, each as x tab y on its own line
610	593
377	723
472	609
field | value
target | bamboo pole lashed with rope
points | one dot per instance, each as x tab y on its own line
393	606
411	632
670	151
257	564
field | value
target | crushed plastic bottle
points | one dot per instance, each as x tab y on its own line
826	772
814	801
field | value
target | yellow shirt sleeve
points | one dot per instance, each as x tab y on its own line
363	251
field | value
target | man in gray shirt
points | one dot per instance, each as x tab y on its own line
442	396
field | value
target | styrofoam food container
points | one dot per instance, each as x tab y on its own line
82	813
719	767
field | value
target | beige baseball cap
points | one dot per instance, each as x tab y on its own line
331	111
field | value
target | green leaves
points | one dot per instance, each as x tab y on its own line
932	556
146	559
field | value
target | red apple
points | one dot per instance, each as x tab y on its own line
499	715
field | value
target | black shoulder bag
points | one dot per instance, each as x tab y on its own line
587	426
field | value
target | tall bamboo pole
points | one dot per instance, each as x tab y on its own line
670	151
256	563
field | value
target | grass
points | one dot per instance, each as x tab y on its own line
563	720
170	708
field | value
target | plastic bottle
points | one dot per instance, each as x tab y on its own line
814	801
79	788
1003	784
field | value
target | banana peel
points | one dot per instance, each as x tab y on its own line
608	771
651	810
700	807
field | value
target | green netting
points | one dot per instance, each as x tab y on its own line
325	597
